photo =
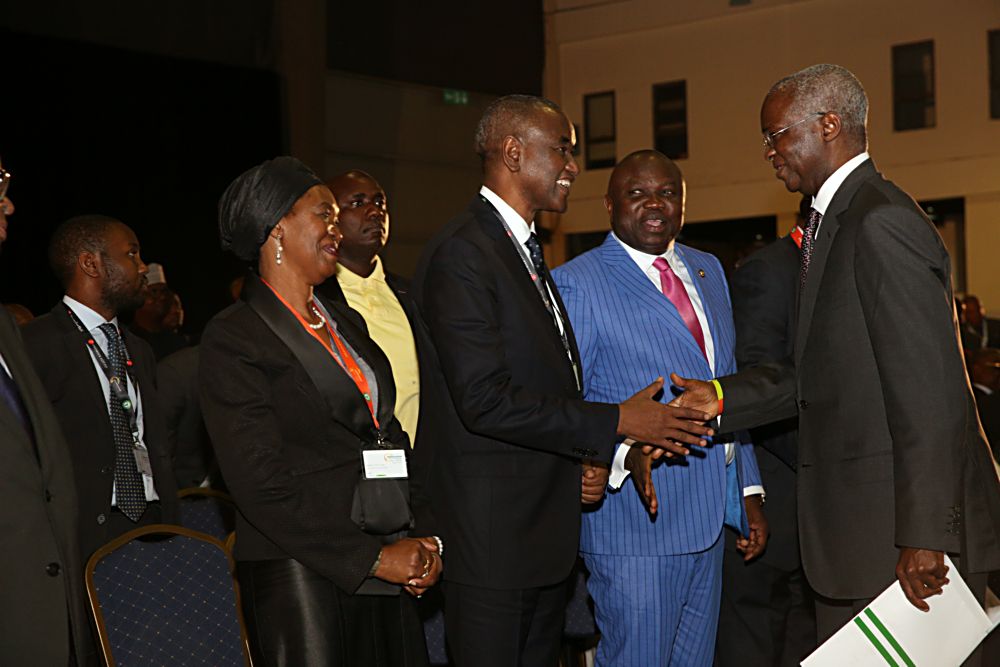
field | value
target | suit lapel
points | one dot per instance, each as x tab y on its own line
635	286
697	274
345	403
83	371
503	247
828	229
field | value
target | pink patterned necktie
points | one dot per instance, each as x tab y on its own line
674	290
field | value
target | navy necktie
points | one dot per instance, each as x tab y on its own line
130	494
11	396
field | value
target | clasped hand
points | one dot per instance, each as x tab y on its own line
412	562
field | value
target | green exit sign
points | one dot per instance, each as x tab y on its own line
452	96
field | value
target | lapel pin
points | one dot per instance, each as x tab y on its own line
701	273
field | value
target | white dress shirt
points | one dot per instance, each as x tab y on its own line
645	263
522	231
92	321
830	186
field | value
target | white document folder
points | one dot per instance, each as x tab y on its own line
891	631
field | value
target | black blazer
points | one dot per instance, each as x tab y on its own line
764	291
60	355
504	480
41	574
890	451
290	451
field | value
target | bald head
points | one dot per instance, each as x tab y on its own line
645	201
363	219
510	115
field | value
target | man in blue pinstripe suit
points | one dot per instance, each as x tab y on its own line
641	306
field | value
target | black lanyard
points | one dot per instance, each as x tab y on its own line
119	389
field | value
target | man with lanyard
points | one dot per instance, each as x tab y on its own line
100	378
505	482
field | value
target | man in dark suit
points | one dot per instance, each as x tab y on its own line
505	482
43	620
893	469
767	615
116	431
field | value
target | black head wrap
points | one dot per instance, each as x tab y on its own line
257	200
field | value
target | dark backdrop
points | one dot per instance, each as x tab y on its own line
148	139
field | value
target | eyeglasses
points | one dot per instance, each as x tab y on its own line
769	137
4	181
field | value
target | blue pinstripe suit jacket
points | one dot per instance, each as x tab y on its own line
629	334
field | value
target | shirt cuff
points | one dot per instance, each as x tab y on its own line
618	472
754	491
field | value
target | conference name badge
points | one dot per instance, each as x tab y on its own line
384	463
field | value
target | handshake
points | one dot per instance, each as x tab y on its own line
657	430
667	430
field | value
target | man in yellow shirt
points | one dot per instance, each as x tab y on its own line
379	296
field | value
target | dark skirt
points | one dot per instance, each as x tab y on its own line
296	618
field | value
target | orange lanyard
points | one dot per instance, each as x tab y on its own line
344	360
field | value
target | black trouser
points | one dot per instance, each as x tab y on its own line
504	628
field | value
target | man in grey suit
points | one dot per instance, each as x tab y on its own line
893	469
42	620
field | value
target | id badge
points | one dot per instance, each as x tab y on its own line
142	461
384	463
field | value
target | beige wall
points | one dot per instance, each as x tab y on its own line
731	56
415	145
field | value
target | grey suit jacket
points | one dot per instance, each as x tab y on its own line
41	574
890	451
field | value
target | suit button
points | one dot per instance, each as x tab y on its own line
52	569
803	405
101	519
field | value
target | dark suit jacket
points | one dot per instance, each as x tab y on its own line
41	575
60	355
190	449
764	293
890	450
290	450
504	481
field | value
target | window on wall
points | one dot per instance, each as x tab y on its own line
913	86
599	129
670	119
993	41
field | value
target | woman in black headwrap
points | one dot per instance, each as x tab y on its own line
294	393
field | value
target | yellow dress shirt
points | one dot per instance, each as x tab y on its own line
390	329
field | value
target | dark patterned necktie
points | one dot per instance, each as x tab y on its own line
808	241
538	260
130	495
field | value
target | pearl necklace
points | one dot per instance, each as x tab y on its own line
322	320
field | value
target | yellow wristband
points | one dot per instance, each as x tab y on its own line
718	392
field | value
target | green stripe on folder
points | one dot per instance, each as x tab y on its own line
892	640
875	642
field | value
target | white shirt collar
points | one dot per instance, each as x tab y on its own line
645	260
829	188
519	227
89	317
